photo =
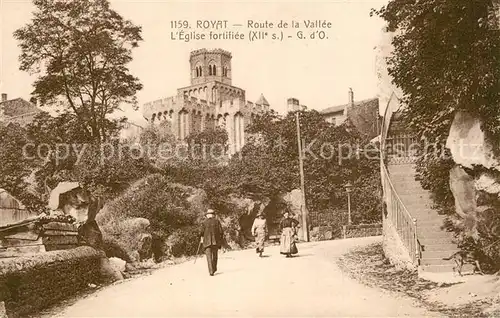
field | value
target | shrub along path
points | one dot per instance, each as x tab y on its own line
310	284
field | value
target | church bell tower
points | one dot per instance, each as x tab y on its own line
210	65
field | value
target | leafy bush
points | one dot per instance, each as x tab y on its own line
184	241
155	198
170	208
433	171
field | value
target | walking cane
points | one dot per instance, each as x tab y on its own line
197	251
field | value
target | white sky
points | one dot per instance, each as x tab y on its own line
318	73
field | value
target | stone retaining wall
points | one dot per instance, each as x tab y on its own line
394	250
323	233
362	230
31	283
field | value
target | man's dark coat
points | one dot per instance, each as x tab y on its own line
212	233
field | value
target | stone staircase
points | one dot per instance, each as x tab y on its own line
436	242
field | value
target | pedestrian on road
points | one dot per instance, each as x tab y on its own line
212	238
259	230
288	228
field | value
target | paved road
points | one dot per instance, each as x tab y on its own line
306	286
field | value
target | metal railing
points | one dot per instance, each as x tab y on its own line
397	213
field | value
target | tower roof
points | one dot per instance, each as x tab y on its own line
262	100
210	51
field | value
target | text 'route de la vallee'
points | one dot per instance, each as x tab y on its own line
185	30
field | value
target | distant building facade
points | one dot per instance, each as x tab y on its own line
210	101
363	115
17	111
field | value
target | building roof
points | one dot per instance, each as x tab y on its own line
338	108
18	107
262	100
365	117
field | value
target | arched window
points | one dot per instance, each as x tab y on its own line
199	71
212	70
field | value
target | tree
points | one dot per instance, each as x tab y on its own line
81	49
446	58
208	145
268	164
200	161
17	164
61	152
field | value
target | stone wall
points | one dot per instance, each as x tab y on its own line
326	232
31	283
394	250
362	230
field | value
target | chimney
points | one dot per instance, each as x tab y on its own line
4	97
351	97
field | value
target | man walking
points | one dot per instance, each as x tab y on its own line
212	237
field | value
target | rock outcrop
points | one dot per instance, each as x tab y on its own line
470	148
468	143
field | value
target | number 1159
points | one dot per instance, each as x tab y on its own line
179	24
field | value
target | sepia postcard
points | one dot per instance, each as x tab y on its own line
329	158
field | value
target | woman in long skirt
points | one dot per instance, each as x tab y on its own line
288	232
259	230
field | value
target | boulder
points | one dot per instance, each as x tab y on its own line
117	264
462	187
239	222
109	271
132	234
487	183
468	143
145	247
293	199
243	205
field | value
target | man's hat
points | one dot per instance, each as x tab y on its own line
210	211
